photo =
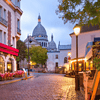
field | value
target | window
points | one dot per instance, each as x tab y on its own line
0	11
56	56
13	42
18	3
56	64
65	60
4	14
4	38
2	68
44	44
0	36
18	23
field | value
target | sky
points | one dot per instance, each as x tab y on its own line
49	19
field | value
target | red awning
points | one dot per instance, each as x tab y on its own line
7	49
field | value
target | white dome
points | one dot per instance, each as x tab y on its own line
39	30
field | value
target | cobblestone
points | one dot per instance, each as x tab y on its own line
41	87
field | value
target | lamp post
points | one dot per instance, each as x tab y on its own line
29	41
76	31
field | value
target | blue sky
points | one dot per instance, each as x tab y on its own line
52	23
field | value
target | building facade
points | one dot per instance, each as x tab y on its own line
85	41
10	32
57	58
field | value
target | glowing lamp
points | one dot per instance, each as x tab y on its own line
76	30
69	53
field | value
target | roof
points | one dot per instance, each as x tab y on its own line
87	28
41	38
53	52
64	47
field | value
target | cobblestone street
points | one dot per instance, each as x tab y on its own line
43	86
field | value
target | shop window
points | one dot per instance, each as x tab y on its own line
9	65
56	64
65	60
73	66
91	65
56	56
87	65
2	68
80	66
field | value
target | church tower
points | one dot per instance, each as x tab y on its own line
40	34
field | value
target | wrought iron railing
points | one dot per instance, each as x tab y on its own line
3	21
18	30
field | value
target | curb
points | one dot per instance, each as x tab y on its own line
69	76
16	80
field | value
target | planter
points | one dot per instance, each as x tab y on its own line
8	78
11	78
21	75
16	76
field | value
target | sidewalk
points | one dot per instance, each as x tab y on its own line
14	80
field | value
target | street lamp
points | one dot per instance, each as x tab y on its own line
76	31
29	41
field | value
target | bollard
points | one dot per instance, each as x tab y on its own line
25	75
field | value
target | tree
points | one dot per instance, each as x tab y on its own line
81	11
22	47
38	54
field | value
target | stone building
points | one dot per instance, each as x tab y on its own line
57	58
10	32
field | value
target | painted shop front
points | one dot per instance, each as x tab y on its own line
86	63
8	58
81	64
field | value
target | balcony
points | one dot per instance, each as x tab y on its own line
3	21
18	31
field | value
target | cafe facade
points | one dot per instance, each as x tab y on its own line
87	37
